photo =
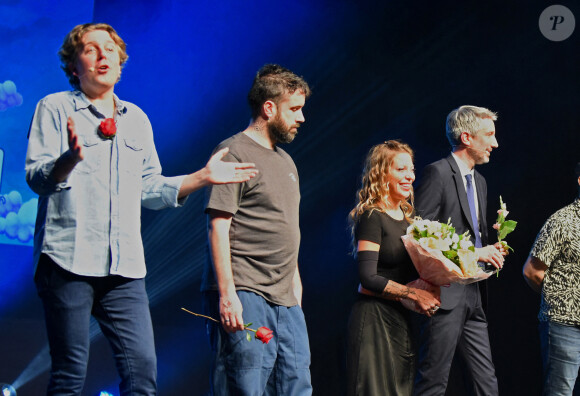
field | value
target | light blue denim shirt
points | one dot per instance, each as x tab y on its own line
91	223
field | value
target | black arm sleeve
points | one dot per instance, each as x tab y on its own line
367	271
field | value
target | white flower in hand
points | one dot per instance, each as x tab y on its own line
503	212
433	227
465	244
421	224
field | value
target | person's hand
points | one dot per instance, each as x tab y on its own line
75	150
231	312
427	301
220	172
490	254
500	246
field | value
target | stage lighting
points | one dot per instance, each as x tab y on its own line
105	393
7	390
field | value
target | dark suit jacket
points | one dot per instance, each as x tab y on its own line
441	195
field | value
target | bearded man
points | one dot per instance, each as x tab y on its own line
254	238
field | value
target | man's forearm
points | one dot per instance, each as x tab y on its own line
193	182
297	286
230	306
534	271
63	167
220	254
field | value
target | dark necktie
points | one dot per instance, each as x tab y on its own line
471	201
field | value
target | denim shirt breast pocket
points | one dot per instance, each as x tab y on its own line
92	156
132	155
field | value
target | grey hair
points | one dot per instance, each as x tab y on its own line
465	119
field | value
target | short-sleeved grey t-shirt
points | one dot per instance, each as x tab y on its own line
264	234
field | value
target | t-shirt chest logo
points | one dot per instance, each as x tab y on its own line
292	176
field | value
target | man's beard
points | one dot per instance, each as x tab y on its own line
280	131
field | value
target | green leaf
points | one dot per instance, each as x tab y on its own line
511	224
506	228
452	255
248	324
506	246
248	336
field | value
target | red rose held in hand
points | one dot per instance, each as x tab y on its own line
264	334
108	128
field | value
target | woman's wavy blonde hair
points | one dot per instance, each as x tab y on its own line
373	189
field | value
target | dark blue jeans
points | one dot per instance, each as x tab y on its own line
560	358
250	368
121	307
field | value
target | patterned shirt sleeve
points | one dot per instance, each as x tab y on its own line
547	245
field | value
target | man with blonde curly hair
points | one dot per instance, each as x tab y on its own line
73	45
92	161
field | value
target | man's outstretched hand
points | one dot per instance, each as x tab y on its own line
220	172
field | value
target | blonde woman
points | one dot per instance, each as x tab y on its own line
380	356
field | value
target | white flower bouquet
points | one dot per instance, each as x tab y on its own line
440	255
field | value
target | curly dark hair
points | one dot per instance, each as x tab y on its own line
271	82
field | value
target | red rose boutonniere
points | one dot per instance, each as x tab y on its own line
108	128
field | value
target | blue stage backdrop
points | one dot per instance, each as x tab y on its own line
379	70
